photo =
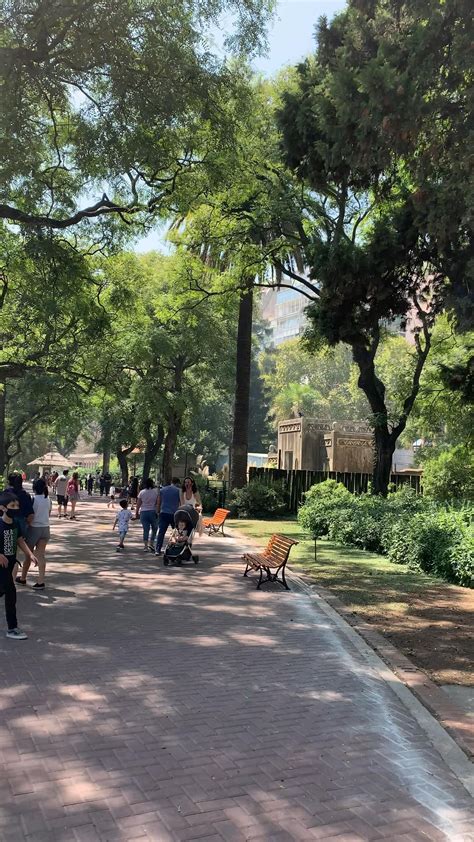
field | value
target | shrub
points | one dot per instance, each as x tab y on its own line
258	500
362	523
437	541
321	503
209	501
449	475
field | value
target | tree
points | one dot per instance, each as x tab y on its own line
136	104
319	385
376	130
248	224
165	348
50	318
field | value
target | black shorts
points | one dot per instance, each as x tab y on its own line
62	499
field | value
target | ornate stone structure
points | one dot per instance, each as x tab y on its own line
312	445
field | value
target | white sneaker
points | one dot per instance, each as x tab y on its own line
17	634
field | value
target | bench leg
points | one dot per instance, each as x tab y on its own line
273	577
260	580
283	577
247	569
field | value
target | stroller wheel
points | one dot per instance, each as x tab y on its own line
165	562
196	559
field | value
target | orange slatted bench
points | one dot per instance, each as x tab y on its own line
216	522
272	561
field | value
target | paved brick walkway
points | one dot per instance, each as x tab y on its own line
182	704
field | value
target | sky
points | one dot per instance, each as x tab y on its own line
290	38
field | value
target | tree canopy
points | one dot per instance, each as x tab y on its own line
107	105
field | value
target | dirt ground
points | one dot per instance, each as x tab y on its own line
435	631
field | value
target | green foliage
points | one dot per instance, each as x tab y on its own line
258	500
68	80
436	541
390	183
449	475
321	502
410	529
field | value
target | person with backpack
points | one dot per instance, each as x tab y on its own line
73	494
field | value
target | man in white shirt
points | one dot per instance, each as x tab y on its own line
61	492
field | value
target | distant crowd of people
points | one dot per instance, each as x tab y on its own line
25	521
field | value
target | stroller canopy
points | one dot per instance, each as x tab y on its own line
188	514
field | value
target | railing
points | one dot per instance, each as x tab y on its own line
295	483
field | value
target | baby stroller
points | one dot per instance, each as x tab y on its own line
177	552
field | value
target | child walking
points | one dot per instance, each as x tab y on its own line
123	518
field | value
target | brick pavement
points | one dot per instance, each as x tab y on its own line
181	704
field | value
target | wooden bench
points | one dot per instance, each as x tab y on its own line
216	522
273	558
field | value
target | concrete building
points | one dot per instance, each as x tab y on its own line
311	445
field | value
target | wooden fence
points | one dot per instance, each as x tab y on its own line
295	483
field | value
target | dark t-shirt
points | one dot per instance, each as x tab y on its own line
8	540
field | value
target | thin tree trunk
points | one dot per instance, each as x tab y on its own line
153	445
240	433
3	448
122	454
106	446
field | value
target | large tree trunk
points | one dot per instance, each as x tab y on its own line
174	420
174	424
383	456
239	446
153	445
384	441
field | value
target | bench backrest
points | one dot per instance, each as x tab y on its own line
220	515
279	547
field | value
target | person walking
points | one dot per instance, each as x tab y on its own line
107	483
90	485
124	516
38	534
73	493
8	544
25	516
169	500
101	485
133	491
147	510
61	492
190	495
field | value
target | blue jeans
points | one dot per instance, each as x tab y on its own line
149	520
166	519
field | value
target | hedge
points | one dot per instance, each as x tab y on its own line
406	527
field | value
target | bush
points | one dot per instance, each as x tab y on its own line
449	475
258	500
439	542
410	529
322	501
209	501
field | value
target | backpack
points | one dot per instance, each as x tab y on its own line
71	487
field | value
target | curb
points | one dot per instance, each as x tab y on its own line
432	697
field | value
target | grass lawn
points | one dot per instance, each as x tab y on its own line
426	618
